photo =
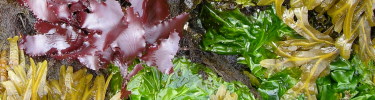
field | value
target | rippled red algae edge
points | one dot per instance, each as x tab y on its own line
56	39
95	32
163	54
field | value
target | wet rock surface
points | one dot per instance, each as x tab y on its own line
14	20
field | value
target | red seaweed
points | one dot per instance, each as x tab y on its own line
56	39
98	32
161	54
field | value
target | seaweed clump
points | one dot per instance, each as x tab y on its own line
101	32
351	19
28	81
